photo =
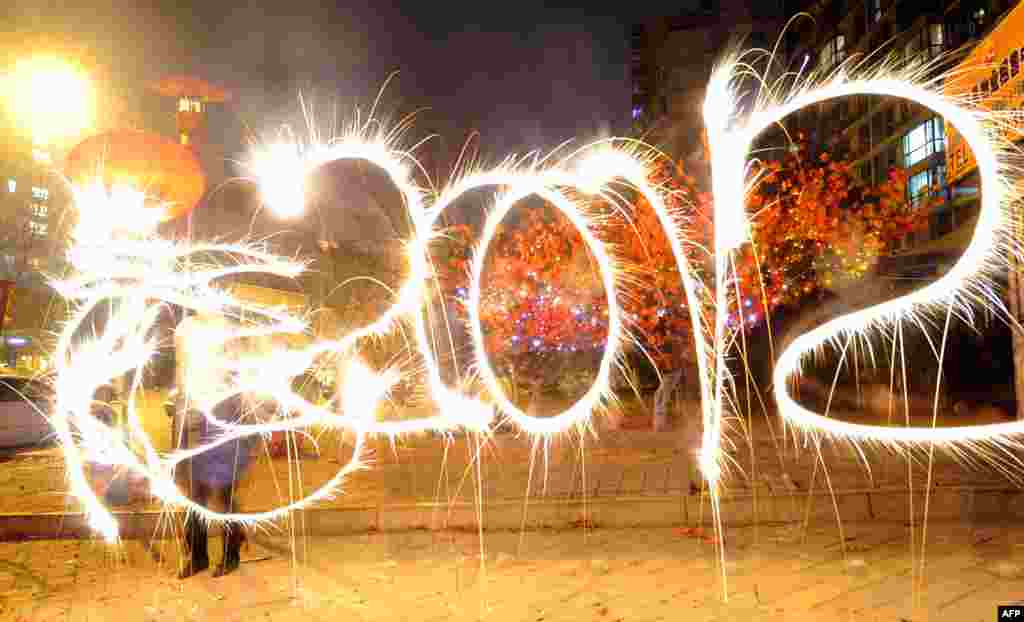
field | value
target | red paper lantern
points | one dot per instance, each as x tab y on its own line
162	168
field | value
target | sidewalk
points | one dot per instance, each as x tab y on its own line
773	574
438	476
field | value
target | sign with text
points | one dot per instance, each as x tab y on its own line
991	77
1010	612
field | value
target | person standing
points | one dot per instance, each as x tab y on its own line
215	474
690	441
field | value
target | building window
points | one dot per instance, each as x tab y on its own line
921	185
876	10
1014	63
40	194
833	53
37	229
188	104
637	112
923	141
12	186
39	211
936	40
917	186
978	18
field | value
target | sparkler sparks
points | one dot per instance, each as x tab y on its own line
131	266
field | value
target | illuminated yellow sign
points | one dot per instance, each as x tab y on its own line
991	76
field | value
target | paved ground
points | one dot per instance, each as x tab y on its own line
615	463
773	574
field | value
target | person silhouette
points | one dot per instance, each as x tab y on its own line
215	473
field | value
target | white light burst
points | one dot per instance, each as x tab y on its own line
139	271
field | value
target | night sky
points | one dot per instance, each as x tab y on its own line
524	74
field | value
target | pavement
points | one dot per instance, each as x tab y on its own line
620	477
403	543
771	574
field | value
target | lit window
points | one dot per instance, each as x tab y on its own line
40	194
197	106
833	53
919	186
37	229
12	186
184	138
637	111
39	211
184	105
876	12
923	141
936	40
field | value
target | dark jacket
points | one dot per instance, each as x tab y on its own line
224	464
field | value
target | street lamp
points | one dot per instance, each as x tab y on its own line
49	98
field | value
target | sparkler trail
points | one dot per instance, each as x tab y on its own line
282	168
966	283
153	270
133	267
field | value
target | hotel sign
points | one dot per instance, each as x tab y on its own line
991	75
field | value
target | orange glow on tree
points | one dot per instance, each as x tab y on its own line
814	228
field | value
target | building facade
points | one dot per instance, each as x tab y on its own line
879	134
991	76
34	224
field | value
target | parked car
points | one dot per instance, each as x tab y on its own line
23	404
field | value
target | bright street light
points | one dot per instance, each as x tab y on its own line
49	98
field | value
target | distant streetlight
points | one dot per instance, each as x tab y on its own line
49	98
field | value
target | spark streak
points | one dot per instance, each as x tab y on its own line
131	266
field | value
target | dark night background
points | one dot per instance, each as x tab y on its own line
525	74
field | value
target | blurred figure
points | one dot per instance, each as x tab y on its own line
103	473
690	440
215	473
